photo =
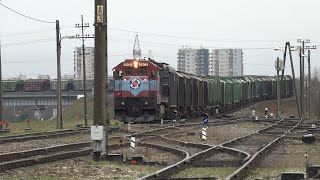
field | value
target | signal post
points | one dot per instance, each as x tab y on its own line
279	67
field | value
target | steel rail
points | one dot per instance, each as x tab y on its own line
165	172
242	171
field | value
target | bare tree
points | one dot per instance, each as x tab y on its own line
315	90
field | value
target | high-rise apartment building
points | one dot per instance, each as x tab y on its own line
193	61
226	62
78	65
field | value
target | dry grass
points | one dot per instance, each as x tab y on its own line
287	157
220	134
288	107
290	154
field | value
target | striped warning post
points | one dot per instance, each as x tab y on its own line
132	143
204	133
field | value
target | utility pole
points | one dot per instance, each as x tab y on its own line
302	56
288	47
1	107
83	37
107	85
294	78
59	94
100	146
309	83
301	84
309	77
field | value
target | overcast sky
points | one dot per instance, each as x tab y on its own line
163	27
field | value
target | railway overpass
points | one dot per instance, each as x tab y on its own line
40	98
36	105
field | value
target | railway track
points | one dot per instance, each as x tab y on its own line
243	148
45	135
41	135
9	161
183	150
33	157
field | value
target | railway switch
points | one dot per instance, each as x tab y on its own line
292	176
313	171
308	138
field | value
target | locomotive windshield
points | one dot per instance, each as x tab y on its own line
142	71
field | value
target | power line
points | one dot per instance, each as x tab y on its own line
27	33
194	38
34	31
49	22
28	42
162	44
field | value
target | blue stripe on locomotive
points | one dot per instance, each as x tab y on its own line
149	85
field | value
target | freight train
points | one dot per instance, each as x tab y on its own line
46	85
146	90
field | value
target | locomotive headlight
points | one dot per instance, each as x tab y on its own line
145	79
146	103
124	79
135	64
122	103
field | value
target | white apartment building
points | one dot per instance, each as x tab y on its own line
193	61
226	62
89	60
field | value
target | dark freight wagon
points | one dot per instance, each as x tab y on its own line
37	85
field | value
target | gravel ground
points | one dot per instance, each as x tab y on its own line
135	128
149	154
190	150
80	168
222	157
288	156
218	172
219	134
42	143
252	144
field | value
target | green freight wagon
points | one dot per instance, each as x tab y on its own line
9	85
227	93
64	85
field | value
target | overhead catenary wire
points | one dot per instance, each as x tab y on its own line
39	20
